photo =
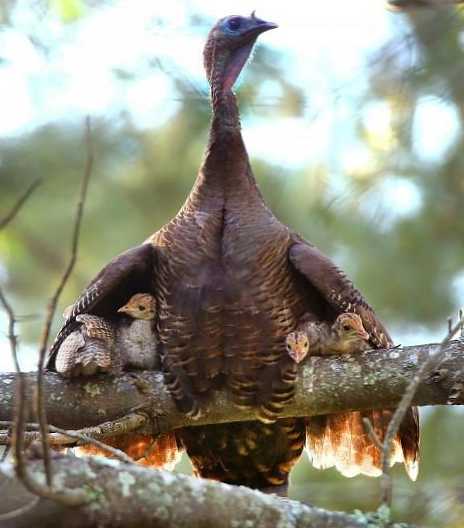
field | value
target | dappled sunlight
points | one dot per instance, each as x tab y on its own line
391	200
435	128
377	119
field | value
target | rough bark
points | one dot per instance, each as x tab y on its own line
131	496
374	379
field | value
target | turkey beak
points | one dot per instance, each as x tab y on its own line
240	55
362	334
297	352
258	26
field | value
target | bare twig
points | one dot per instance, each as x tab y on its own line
117	453
41	413
372	434
63	437
21	397
19	511
69	497
11	329
126	424
6	451
17	206
393	427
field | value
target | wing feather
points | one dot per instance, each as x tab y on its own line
340	440
337	289
128	273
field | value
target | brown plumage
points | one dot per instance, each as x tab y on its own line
231	282
341	440
108	345
89	349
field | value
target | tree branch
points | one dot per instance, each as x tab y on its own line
432	363
129	496
375	379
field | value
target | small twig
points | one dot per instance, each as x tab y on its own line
11	329
69	497
372	434
88	435
19	511
17	206
120	455
18	424
132	421
41	414
6	452
393	427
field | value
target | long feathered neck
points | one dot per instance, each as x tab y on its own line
225	123
225	140
225	166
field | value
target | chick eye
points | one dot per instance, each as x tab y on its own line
346	327
141	307
234	23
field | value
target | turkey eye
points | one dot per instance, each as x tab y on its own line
141	308
234	23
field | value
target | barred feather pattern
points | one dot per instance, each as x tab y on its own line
227	297
189	295
226	293
89	348
127	274
252	454
230	283
341	440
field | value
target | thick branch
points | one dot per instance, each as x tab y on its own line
374	379
131	496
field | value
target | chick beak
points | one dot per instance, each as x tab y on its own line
297	352
123	309
362	334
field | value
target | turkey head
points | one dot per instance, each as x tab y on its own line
228	47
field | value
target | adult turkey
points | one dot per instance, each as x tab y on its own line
231	282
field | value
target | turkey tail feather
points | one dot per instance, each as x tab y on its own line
409	436
341	440
160	452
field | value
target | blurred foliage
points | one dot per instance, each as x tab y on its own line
407	264
67	10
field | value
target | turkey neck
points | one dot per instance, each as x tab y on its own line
225	173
